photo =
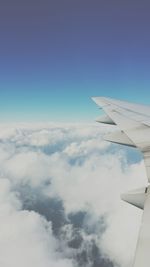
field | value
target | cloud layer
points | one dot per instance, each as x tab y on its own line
60	204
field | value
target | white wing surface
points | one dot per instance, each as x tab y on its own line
134	123
142	256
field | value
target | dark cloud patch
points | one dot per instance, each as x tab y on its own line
89	253
92	257
84	250
76	240
77	219
51	208
81	220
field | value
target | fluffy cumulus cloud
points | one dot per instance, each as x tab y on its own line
60	204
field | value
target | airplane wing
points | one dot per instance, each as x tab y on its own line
133	121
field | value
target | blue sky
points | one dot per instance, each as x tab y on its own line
55	55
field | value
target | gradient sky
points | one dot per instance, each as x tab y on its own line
56	54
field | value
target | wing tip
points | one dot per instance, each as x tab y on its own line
100	100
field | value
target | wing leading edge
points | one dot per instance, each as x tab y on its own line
134	123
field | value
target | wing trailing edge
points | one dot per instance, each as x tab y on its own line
105	120
119	137
135	197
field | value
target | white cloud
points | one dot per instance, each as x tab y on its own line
98	181
82	170
26	240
